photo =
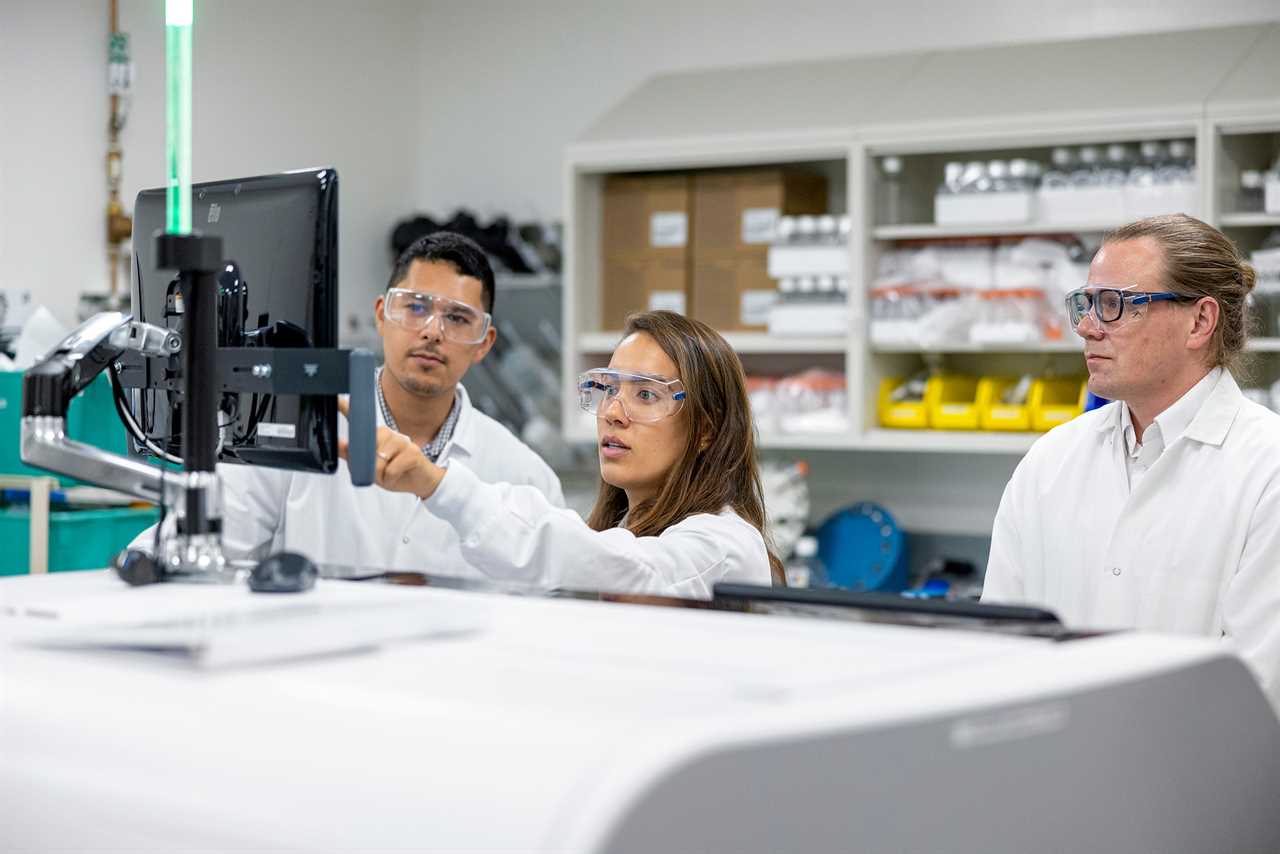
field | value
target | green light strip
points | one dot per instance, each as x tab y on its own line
179	15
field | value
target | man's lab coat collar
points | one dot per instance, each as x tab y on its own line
464	432
1210	424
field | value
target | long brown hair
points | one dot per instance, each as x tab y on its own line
1201	261
718	416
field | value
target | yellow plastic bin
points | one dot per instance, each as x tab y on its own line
995	415
1055	400
909	414
952	402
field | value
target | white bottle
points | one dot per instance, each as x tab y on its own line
1180	168
1151	154
786	230
1062	163
844	227
806	230
805	570
998	175
1020	175
1115	171
953	176
974	179
1086	172
828	230
890	201
1252	189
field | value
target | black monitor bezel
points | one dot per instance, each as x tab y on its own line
316	421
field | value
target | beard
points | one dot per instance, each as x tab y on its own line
417	384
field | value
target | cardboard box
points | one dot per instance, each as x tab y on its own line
639	283
735	213
732	291
646	240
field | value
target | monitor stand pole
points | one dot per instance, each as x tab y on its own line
194	551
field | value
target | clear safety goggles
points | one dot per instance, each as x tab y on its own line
1115	306
643	397
456	321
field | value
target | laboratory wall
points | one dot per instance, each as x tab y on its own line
506	86
278	85
420	105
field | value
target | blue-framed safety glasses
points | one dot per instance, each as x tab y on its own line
1108	304
643	397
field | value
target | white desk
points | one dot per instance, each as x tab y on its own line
553	725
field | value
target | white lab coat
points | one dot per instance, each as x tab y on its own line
513	533
1194	549
332	522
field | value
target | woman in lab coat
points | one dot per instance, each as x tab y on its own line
679	506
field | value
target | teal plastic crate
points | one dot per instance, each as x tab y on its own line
78	539
91	419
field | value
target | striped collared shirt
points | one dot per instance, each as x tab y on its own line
433	448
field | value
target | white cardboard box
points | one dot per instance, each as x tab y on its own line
809	320
972	208
1075	206
1272	203
1141	202
787	261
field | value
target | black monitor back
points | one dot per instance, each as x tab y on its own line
281	234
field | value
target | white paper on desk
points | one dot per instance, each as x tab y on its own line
223	626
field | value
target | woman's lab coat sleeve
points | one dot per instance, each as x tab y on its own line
513	532
1251	604
1005	581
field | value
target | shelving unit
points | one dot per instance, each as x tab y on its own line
744	343
1249	220
1215	87
929	231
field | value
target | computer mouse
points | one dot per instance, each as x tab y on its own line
135	567
283	572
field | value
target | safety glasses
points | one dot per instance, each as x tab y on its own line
1108	304
643	397
456	321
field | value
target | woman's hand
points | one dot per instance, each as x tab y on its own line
401	466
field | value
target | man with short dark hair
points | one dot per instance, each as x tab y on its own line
1161	510
436	321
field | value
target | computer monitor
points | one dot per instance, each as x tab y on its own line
278	288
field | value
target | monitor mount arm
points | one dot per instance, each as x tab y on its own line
193	551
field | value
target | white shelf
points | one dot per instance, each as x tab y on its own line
518	281
1236	220
1065	346
844	441
742	342
1254	345
929	230
947	441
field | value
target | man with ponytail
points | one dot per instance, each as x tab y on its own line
1161	510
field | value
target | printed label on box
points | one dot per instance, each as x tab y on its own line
759	225
668	228
755	307
667	301
956	408
277	431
